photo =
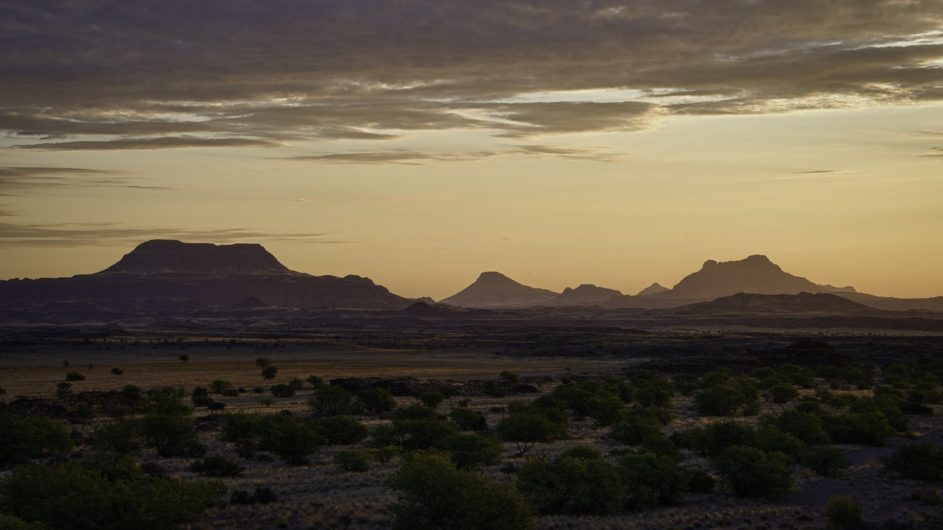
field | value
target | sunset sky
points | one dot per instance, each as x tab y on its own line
422	142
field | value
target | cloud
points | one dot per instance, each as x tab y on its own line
175	73
935	152
163	142
406	157
85	234
21	179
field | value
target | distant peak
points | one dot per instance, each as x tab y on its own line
492	275
654	288
708	264
160	256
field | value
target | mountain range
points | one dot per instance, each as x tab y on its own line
167	275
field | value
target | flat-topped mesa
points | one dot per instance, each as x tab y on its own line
162	256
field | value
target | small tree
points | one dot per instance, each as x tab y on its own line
469	420
74	376
377	400
843	513
184	358
216	466
752	473
269	372
920	461
117	371
330	400
340	430
470	450
27	437
525	430
282	390
431	398
575	483
291	439
434	494
353	460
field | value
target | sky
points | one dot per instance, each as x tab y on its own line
420	143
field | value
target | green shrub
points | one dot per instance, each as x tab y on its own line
123	437
330	400
431	398
241	428
171	435
824	461
750	472
82	498
340	430
269	372
525	430
807	426
377	400
650	481
864	428
74	376
220	386
415	412
715	438
469	420
843	513
282	390
117	371
434	494
8	522
920	461
290	438
719	400
698	481
216	466
27	437
418	435
782	393
635	427
572	485
353	460
470	450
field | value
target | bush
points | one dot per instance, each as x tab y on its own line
117	371
635	427
82	498
807	426
282	390
269	372
74	376
750	472
415	412
330	400
353	460
434	494
431	398
527	429
715	438
262	362
220	386
262	495
824	461
376	400
216	466
864	428
415	435
171	435
782	393
8	522
470	450
572	484
920	461
843	512
469	420
123	437
698	481
651	481
24	438
340	430
721	400
290	438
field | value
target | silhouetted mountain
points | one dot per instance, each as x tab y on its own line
655	288
897	304
162	256
755	304
166	275
584	295
755	274
493	289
